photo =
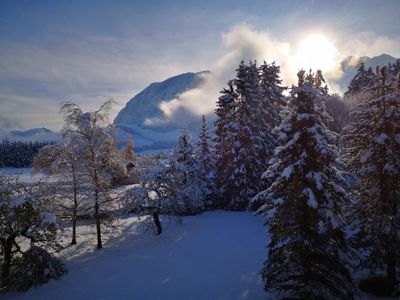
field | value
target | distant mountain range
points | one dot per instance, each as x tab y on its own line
146	105
32	135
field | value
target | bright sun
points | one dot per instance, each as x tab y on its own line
316	52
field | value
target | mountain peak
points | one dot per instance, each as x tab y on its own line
146	105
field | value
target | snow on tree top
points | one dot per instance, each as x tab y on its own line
397	138
311	200
287	171
16	201
48	218
380	139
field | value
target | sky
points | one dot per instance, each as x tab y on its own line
90	51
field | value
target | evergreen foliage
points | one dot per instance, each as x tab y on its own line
19	154
24	223
174	185
372	147
303	205
243	141
204	155
35	267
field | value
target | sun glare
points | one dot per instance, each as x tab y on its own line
316	52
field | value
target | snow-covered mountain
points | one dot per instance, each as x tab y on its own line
32	135
145	106
350	65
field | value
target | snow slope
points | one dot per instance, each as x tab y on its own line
216	255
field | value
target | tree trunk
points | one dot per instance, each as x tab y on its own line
391	266
97	217
74	213
157	222
392	249
73	242
7	261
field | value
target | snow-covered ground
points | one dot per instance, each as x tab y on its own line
216	255
23	174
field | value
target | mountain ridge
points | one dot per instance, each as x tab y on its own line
350	64
40	134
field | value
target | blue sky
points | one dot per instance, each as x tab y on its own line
90	51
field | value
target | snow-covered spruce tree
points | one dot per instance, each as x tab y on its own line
372	142
363	79
174	185
302	206
186	176
258	110
98	153
129	155
271	92
223	156
131	163
203	153
24	223
239	185
244	139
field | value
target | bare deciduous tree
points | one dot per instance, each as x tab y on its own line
97	151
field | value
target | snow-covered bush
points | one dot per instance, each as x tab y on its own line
35	267
174	184
24	223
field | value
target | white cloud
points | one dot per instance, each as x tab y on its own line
369	44
244	43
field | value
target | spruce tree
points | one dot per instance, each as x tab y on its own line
186	177
205	159
303	206
271	92
226	107
361	80
243	141
372	141
130	156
